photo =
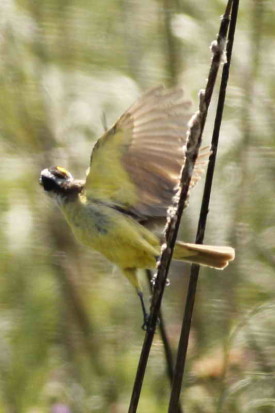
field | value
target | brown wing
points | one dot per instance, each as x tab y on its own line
136	164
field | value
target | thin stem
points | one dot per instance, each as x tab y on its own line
171	46
193	142
165	340
186	325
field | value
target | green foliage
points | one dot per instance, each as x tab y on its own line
70	324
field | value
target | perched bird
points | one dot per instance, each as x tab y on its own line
133	176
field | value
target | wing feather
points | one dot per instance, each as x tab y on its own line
136	164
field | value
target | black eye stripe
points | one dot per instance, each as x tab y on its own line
49	184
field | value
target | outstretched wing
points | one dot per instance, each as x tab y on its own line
136	164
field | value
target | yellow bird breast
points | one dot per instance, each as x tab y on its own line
114	234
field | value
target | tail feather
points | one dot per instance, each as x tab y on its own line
209	255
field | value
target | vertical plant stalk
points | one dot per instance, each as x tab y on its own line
194	137
74	301
185	331
164	336
171	44
165	341
165	259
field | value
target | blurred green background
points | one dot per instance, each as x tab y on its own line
69	322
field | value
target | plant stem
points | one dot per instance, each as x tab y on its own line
186	325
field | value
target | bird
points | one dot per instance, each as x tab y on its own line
130	184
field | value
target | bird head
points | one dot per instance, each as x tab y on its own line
57	181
